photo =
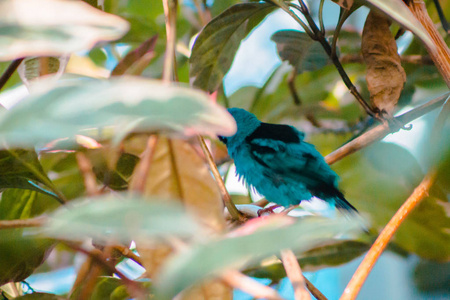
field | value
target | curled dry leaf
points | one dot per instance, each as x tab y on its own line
176	171
385	75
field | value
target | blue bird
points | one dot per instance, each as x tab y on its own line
282	167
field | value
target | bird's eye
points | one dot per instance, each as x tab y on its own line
223	139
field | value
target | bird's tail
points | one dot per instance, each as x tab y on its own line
341	203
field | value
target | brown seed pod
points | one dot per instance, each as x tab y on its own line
385	75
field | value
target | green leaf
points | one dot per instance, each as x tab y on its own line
40	296
208	259
122	104
22	169
119	217
146	48
216	45
21	253
398	11
330	255
118	178
53	28
300	50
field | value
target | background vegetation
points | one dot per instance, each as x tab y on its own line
106	151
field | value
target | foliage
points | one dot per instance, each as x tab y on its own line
107	150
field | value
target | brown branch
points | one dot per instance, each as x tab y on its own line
134	288
140	174
295	275
34	222
314	291
379	132
126	252
234	212
250	286
170	12
440	53
358	279
9	71
86	169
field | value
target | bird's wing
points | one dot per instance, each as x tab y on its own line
298	161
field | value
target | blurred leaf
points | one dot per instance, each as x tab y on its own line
146	48
118	178
302	52
218	42
119	217
330	255
208	259
125	104
431	276
385	75
178	172
53	27
378	180
40	296
21	254
22	169
398	11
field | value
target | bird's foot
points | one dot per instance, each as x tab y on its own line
269	210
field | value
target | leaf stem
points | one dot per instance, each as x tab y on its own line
9	71
234	212
295	275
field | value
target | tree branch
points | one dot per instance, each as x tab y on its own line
134	288
9	71
250	286
314	291
358	279
295	275
33	222
379	132
234	212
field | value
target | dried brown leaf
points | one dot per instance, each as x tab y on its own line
385	75
178	172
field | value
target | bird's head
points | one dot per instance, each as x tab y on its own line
246	123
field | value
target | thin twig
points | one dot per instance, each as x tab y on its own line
322	27
314	291
295	275
33	222
140	174
90	181
234	212
170	12
250	286
358	279
320	37
379	132
126	252
134	288
9	71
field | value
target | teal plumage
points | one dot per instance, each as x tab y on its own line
276	161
